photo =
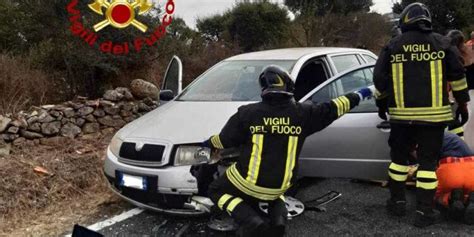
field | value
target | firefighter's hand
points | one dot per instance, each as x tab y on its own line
462	114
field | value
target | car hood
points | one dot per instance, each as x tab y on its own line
181	122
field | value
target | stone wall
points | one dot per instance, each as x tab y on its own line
78	118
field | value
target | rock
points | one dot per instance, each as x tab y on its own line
142	107
64	121
20	122
112	110
37	142
93	103
55	113
9	137
79	122
4	122
93	136
148	101
32	119
13	130
69	112
91	128
30	135
84	111
111	122
142	89
99	113
113	95
127	94
48	107
34	113
135	108
54	141
19	141
60	107
44	117
59	118
81	98
70	130
51	128
127	106
125	113
129	119
108	131
35	127
4	148
90	118
106	103
75	106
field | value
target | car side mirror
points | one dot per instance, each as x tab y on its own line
166	95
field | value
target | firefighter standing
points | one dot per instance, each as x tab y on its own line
412	76
270	135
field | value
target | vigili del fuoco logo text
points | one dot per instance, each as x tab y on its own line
120	14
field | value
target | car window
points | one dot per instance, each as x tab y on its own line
370	59
231	81
346	84
345	62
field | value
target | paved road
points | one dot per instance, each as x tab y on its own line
359	212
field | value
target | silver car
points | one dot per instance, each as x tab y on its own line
148	161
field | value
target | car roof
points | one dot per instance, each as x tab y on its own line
292	53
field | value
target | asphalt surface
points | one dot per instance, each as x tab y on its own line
359	212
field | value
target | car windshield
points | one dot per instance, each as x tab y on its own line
231	81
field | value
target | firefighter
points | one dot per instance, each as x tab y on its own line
411	76
270	135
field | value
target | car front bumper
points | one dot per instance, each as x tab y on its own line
174	192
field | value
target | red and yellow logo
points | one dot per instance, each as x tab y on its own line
119	14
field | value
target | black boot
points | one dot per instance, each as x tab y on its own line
278	215
456	205
469	213
426	216
396	207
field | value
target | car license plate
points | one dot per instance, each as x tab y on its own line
132	181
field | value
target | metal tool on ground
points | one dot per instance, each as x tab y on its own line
319	203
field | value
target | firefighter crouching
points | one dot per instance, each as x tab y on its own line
412	75
270	135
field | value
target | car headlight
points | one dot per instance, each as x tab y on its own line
192	155
115	145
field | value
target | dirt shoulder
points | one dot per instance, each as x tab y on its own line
45	190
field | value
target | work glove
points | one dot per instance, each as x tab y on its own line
366	93
382	105
462	114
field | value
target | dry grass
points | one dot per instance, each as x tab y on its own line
75	191
20	84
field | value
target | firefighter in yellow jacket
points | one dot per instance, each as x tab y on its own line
270	135
412	76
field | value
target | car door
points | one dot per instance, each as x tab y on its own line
173	79
353	146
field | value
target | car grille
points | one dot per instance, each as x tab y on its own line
149	156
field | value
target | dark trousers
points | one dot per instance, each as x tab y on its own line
423	141
245	212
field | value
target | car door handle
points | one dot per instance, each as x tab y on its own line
385	125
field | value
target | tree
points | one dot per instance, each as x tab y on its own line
447	14
252	25
323	7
